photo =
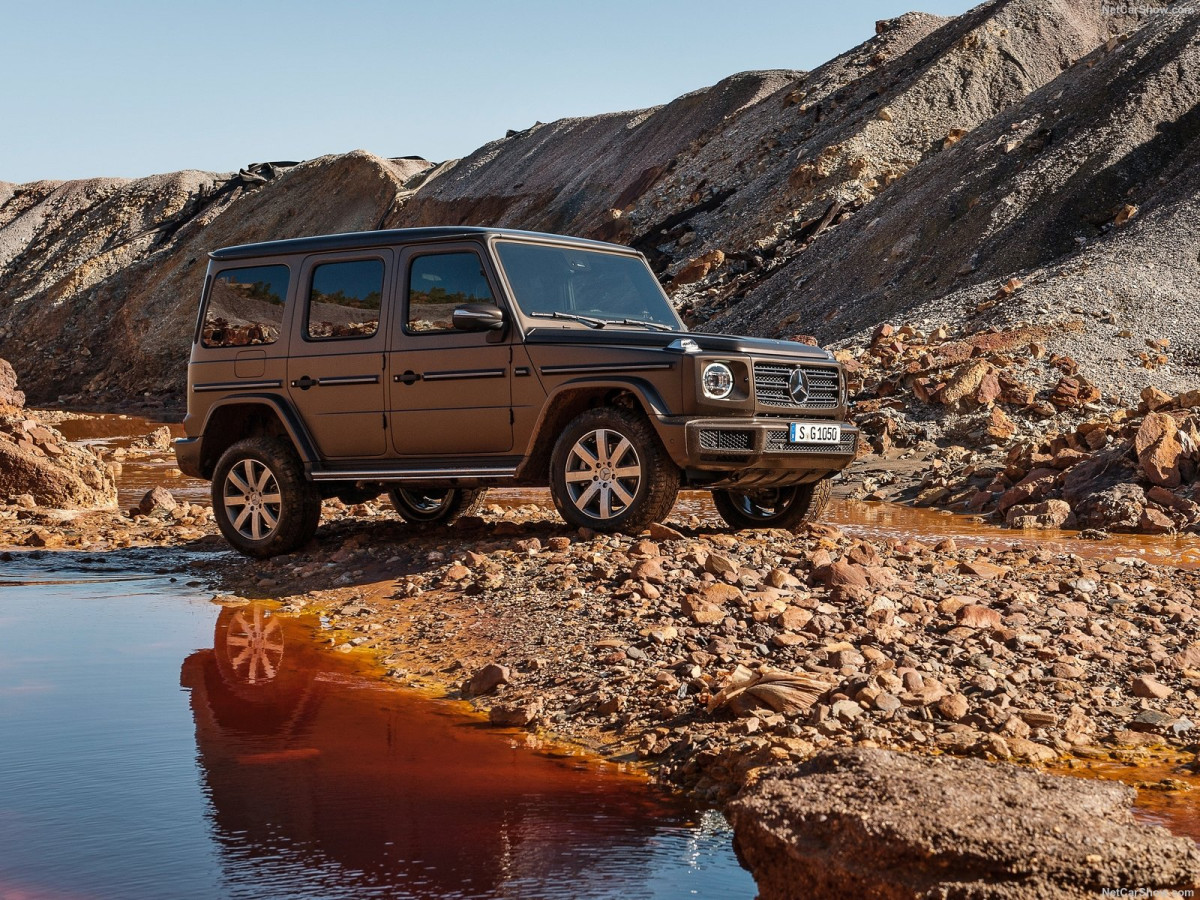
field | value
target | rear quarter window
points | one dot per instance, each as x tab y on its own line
344	300
245	307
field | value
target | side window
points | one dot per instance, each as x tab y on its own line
245	307
344	299
439	282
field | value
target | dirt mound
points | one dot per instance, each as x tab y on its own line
99	280
856	823
1084	192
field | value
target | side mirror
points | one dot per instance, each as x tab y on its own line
478	317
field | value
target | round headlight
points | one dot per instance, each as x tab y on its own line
717	381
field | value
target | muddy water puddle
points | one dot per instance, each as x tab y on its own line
1168	793
138	472
155	744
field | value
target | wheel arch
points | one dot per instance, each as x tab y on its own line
246	415
574	397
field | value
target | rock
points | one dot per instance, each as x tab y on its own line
965	382
515	715
976	616
1155	398
156	501
159	439
789	694
1047	514
649	570
1000	427
661	532
794	619
1118	508
701	611
1155	521
1158	449
720	594
719	565
981	569
845	574
1189	657
953	706
698	268
487	680
846	710
857	823
72	478
9	395
1145	686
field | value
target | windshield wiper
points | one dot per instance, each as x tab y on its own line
589	322
656	326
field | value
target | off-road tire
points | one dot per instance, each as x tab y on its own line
458	502
795	505
657	483
298	512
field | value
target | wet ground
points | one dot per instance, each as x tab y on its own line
156	744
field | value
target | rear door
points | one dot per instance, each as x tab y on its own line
450	390
336	370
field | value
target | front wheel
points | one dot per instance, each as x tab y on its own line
427	507
609	472
781	507
261	500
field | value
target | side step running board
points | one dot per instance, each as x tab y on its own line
410	474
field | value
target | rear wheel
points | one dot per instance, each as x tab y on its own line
609	472
261	500
427	507
781	507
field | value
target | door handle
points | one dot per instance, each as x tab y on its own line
304	382
409	377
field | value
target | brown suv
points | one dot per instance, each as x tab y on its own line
435	362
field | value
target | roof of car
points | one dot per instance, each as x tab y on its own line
360	239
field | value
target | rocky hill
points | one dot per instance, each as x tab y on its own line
906	178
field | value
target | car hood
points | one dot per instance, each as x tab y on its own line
661	340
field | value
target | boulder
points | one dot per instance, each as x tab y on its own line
36	460
487	680
1159	449
1047	514
156	502
1117	508
9	395
857	823
965	383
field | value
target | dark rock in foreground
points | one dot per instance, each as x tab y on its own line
874	823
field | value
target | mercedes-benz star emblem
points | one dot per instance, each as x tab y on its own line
798	385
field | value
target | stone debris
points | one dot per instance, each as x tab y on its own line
37	462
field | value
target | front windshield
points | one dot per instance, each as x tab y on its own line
567	282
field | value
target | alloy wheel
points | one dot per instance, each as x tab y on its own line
252	499
603	473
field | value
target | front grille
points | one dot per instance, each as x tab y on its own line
777	442
771	386
714	439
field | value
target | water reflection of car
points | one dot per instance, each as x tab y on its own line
318	775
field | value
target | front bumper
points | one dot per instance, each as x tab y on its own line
187	452
755	448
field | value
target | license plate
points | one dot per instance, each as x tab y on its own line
809	433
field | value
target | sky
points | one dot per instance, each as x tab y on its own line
129	88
